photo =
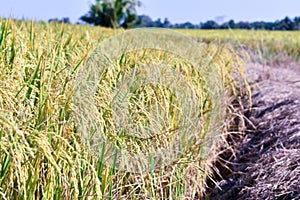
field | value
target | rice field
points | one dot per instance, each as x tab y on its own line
263	46
46	153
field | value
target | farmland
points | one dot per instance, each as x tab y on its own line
263	46
43	154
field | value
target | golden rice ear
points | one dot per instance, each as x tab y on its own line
42	153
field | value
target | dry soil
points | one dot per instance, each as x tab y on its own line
266	164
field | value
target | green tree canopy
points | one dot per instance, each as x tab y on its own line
113	13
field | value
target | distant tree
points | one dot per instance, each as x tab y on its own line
297	23
210	25
53	20
284	24
187	25
230	24
158	23
258	25
287	23
167	23
112	13
144	21
269	25
65	20
243	25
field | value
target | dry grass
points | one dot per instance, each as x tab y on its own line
266	161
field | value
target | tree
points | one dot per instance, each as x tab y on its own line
167	23
297	23
144	21
243	25
210	25
65	20
158	23
288	24
231	24
285	24
112	13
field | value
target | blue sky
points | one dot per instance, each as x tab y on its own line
194	11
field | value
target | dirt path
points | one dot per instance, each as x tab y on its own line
267	162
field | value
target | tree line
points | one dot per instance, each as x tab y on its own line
123	13
284	24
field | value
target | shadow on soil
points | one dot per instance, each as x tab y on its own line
266	164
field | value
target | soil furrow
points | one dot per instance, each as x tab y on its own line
266	164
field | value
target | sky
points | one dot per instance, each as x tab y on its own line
177	11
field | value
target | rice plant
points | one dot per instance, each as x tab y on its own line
263	46
43	152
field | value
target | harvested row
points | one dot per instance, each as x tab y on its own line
266	160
